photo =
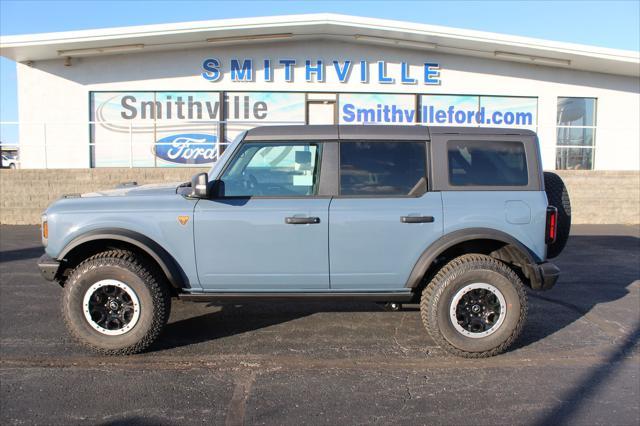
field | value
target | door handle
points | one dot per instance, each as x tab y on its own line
416	219
301	220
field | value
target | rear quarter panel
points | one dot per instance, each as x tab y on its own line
521	214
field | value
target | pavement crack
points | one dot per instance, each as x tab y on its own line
404	349
238	403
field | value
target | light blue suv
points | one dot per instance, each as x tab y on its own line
456	219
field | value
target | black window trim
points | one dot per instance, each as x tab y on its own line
440	169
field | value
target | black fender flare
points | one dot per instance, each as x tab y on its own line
169	266
439	246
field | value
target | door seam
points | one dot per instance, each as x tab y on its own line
329	241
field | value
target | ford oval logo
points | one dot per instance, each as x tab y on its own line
187	148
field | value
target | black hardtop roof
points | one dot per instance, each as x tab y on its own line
395	132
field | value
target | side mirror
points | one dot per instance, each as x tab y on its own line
200	186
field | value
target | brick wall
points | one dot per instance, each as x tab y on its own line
601	197
25	194
596	196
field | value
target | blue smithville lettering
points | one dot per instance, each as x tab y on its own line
187	148
431	115
315	70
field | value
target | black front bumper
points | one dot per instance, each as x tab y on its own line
546	276
48	267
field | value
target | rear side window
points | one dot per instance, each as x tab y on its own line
382	168
487	163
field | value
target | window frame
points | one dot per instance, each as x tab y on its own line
367	196
440	170
321	145
594	128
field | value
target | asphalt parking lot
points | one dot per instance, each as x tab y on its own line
578	361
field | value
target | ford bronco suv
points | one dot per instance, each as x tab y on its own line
456	219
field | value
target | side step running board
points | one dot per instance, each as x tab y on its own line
373	297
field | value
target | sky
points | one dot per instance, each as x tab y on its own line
613	24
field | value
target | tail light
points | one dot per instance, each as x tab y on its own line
552	225
45	230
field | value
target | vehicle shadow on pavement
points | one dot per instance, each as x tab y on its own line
231	319
138	421
601	268
573	401
21	254
594	270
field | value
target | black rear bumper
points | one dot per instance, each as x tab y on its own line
48	267
546	276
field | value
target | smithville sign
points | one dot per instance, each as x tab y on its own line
245	70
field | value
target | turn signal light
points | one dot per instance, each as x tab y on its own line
552	224
45	230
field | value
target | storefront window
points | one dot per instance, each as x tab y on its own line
376	108
482	111
245	110
154	129
576	128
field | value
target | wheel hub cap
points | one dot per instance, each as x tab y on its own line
477	310
111	307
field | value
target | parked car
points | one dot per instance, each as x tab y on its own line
9	162
455	219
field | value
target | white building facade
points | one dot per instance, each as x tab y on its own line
174	95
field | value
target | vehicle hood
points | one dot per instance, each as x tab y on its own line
136	190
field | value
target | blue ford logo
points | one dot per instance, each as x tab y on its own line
187	148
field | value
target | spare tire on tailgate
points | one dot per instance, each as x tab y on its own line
558	197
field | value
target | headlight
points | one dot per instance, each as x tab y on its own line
45	230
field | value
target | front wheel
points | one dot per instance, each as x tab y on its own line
474	307
115	303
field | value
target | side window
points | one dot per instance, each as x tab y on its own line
273	169
487	163
383	168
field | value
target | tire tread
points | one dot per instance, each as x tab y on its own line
147	273
432	292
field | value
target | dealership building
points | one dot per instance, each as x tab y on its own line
174	95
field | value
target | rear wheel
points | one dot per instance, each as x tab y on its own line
558	197
474	307
115	303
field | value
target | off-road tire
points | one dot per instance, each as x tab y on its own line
558	197
438	295
141	277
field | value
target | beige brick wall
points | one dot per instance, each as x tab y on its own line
25	194
601	197
596	196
